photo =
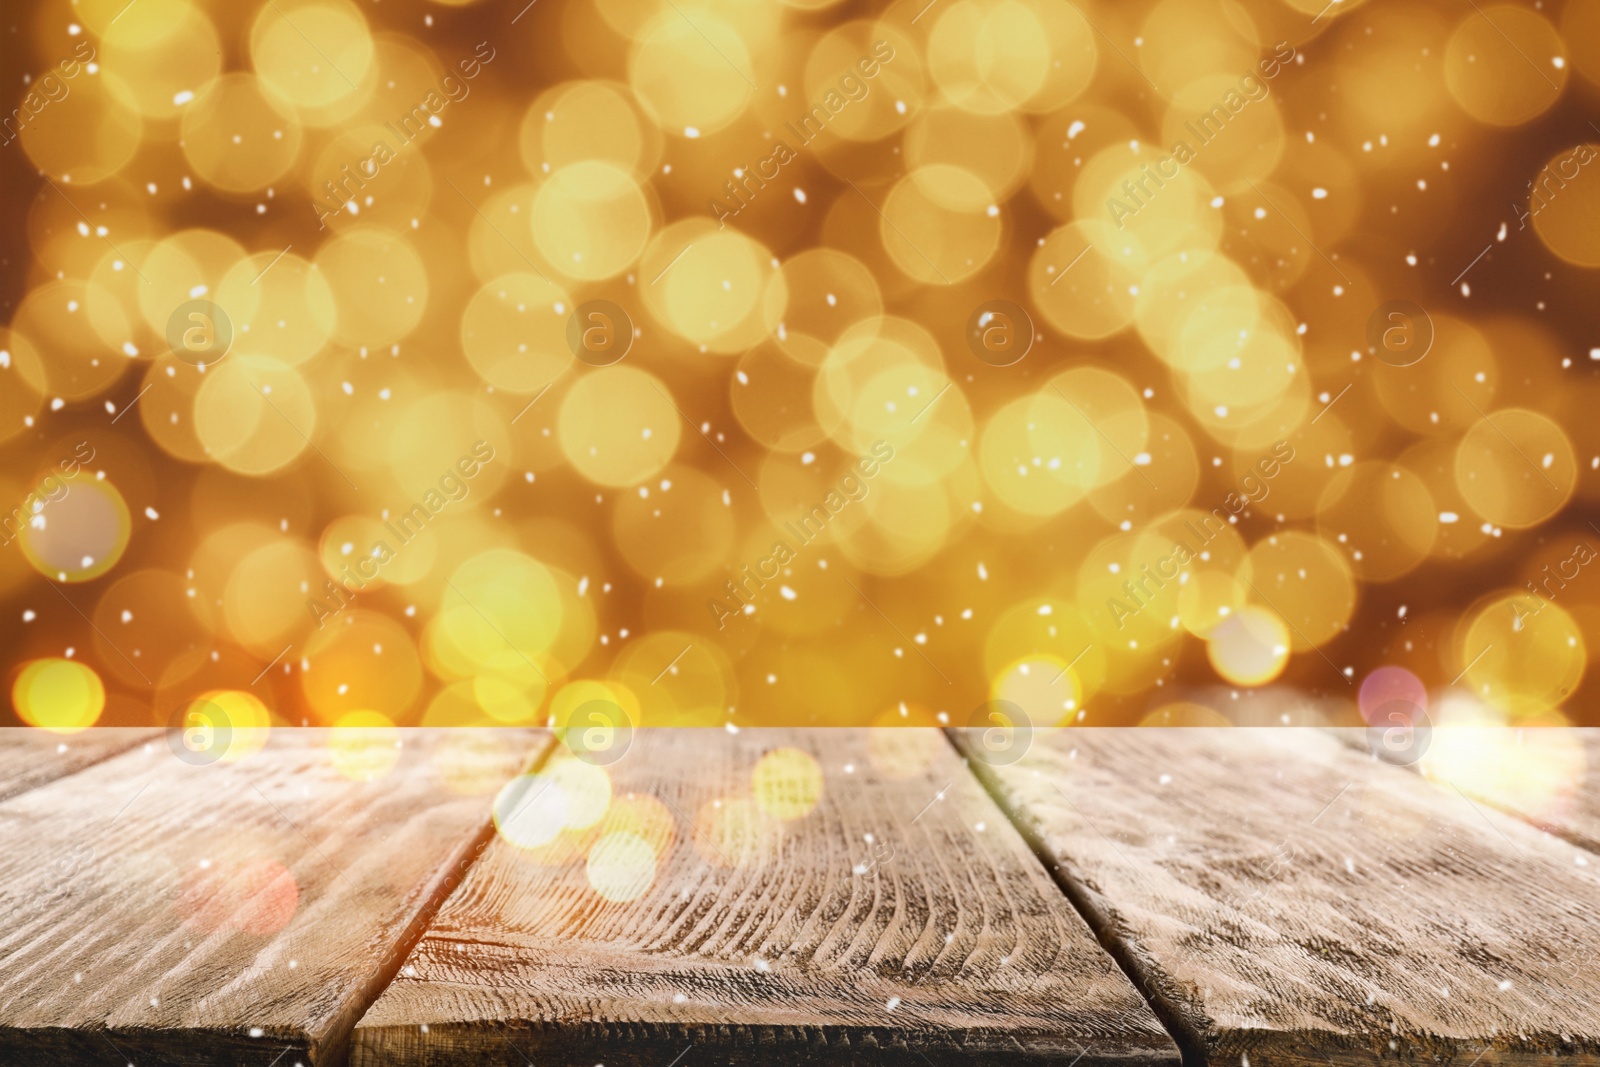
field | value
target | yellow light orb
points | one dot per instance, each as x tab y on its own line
254	414
787	783
1249	647
62	696
939	224
1207	597
711	287
770	393
989	55
863	81
1081	290
1038	455
815	298
360	660
247	722
1505	64
158	78
1044	687
239	134
514	332
364	745
1149	192
1232	122
676	530
1525	655
1305	581
1185	40
1515	467
57	318
265	597
379	284
23	383
500	600
280	306
139	29
692	78
681	680
185	266
1449	389
587	789
621	867
86	135
618	426
316	54
587	121
591	220
1566	206
1383	518
508	688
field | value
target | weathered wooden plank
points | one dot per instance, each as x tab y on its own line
1549	777
884	926
30	758
244	913
1287	899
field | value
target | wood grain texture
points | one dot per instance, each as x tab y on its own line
887	926
1286	899
241	913
30	758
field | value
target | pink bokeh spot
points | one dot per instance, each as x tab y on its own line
1386	685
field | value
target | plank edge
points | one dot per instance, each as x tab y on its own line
1185	1021
654	1043
138	735
332	1045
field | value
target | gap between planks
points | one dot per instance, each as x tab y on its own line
1147	976
1497	900
336	1051
133	876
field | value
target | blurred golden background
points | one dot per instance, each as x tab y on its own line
708	362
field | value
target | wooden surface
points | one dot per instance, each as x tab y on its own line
1285	898
1279	896
244	913
30	758
1550	778
885	926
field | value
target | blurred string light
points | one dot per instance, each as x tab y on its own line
367	316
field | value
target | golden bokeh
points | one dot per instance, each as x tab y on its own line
316	54
364	745
58	695
1505	64
793	363
787	783
239	135
590	220
1249	647
690	77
